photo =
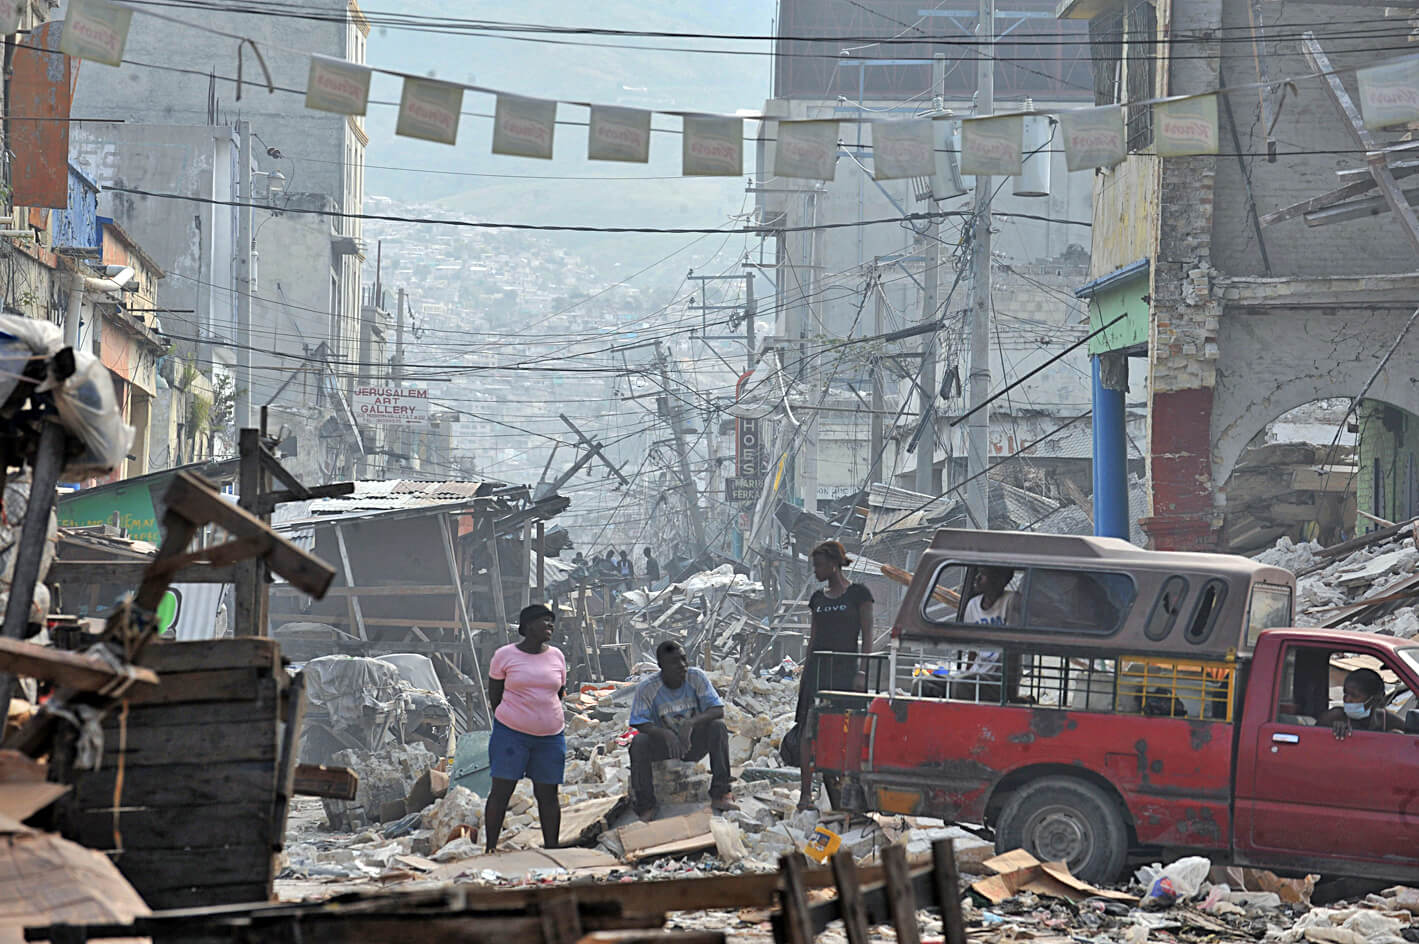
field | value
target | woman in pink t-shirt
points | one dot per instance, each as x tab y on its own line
526	684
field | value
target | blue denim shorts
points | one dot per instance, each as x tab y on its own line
513	755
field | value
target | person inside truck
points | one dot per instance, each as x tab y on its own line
978	674
1363	708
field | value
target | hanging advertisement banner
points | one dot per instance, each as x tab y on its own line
991	147
618	134
1093	137
712	147
806	150
1186	127
336	85
524	127
429	110
96	30
1389	93
903	149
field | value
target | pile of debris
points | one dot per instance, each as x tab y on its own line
1369	583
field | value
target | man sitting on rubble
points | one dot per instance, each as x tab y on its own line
678	715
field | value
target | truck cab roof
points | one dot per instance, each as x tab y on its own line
1097	593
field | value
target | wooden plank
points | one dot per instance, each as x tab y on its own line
945	873
290	754
1365	540
451	559
167	745
376	591
334	620
495	585
209	865
336	783
69	669
357	614
265	707
1321	202
560	920
221	685
77	573
209	655
207	896
176	784
794	900
850	894
169	827
900	894
195	501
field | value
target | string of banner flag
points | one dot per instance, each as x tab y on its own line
713	145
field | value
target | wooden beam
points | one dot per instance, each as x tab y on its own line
1357	209
268	502
287	478
196	501
1379	167
451	558
386	591
79	572
317	780
357	615
69	669
1321	202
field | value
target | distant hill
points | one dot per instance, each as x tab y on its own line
663	79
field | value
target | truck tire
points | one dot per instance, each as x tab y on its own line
1066	819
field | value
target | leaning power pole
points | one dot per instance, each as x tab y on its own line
978	427
926	449
242	420
692	493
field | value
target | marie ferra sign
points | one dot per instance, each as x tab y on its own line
406	406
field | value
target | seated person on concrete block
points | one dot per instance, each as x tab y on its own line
678	716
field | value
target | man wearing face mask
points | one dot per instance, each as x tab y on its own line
1363	708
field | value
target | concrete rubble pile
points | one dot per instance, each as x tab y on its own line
595	811
1353	590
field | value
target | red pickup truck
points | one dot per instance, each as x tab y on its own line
1090	701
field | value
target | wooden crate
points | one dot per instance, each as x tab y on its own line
198	768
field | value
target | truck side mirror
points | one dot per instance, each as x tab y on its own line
1411	721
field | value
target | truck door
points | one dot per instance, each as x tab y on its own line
1313	795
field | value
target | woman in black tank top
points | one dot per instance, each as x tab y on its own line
841	623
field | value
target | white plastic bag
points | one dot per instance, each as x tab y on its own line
89	410
1177	882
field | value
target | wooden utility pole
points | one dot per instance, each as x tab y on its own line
978	384
687	481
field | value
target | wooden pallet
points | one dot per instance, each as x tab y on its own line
191	796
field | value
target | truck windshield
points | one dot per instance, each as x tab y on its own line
1270	607
1411	658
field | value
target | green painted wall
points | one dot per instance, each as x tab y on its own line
1387	483
1126	298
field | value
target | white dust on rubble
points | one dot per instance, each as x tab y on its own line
1323	585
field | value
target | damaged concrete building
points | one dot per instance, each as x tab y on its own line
1236	318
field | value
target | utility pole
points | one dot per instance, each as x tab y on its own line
692	493
875	470
978	427
398	371
751	311
242	420
926	448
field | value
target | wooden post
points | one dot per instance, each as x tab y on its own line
290	758
901	900
947	879
541	562
850	897
495	580
452	559
357	615
793	899
248	573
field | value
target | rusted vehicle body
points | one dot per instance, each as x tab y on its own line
1131	701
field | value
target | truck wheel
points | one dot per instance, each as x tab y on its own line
1065	819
